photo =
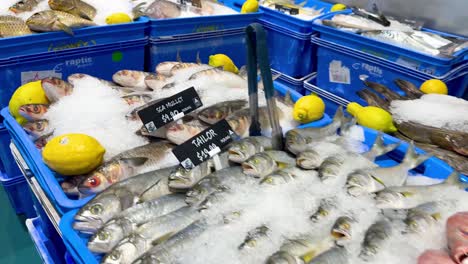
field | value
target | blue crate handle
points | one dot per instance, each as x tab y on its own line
257	53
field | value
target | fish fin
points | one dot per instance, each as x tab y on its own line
339	115
178	58
436	216
162	238
288	99
379	180
147	189
137	11
85	16
136	161
307	257
243	72
282	165
412	159
453	178
198	60
65	28
407	194
379	148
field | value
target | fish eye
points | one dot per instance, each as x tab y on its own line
252	243
35	109
39	126
345	226
256	161
115	255
243	147
323	212
96	209
104	235
94	181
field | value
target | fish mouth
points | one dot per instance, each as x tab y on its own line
87	225
340	234
235	156
249	169
306	163
355	190
99	247
461	255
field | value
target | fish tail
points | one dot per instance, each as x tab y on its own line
412	159
454	179
339	115
379	148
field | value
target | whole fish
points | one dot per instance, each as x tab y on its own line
38	128
51	20
120	196
184	71
217	181
56	88
264	163
384	90
165	67
137	98
74	7
11	26
163	9
33	112
297	139
283	176
374	239
379	148
158	81
167	251
182	179
220	111
130	78
373	180
331	167
254	237
325	207
151	233
457	237
420	218
373	99
405	197
128	221
305	248
240	120
409	88
178	133
24	6
217	76
435	257
332	256
342	228
245	148
127	164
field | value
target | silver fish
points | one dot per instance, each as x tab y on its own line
264	163
38	128
137	98
165	67
185	179
374	239
325	207
220	111
303	249
421	218
332	256
286	175
178	133
33	111
56	88
245	148
342	229
254	237
131	78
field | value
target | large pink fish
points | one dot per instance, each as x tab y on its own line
435	257
457	237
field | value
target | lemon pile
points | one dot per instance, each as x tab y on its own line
308	108
372	117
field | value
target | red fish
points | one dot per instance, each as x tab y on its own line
457	237
435	257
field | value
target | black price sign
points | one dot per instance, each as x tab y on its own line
204	145
170	109
286	9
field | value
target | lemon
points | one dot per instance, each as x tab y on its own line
372	117
434	86
249	6
308	108
73	154
222	60
30	93
118	18
338	7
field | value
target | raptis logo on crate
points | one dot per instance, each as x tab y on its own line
79	43
80	62
371	69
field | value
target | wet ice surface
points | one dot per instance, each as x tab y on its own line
442	111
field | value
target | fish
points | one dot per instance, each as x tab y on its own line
165	67
122	225
324	209
409	88
331	167
120	196
241	150
74	7
365	181
374	239
217	112
137	98
435	257
217	181
332	256
298	138
405	197
457	237
56	88
182	179
127	164
160	9
305	249
24	6
264	163
420	218
384	90
379	148
70	185
169	249
38	128
283	176
309	11
342	228
158	81
41	141
254	237
178	133
131	78
51	20
11	26
215	76
33	112
150	234
373	99
185	70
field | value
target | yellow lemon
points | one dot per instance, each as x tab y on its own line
372	117
118	18
30	93
338	7
249	6
434	86
308	108
73	154
222	60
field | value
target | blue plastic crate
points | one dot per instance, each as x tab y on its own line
19	194
408	57
8	164
189	25
290	82
331	101
340	70
107	58
48	249
83	38
230	42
